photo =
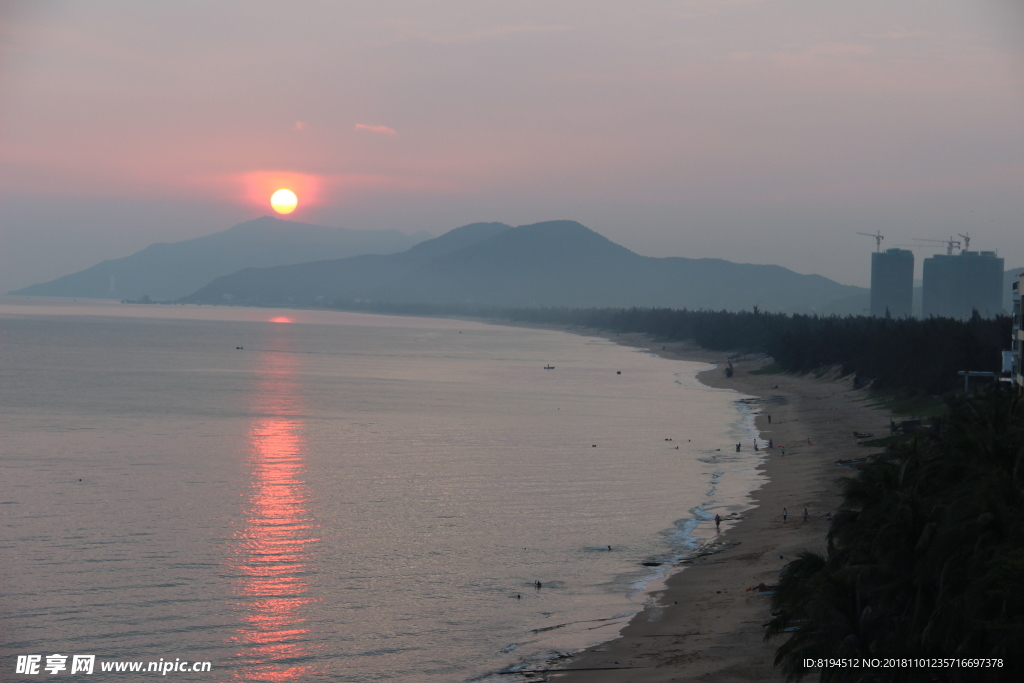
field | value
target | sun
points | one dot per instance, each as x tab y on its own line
284	201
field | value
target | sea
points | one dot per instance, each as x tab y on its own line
314	495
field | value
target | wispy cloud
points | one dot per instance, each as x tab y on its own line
384	130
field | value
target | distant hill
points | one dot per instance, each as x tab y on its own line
556	263
171	271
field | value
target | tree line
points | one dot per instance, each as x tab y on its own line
925	558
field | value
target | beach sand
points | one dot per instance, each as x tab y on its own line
704	625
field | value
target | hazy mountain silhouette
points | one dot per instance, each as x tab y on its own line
556	263
171	271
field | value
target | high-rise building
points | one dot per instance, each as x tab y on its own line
983	279
892	283
1017	340
941	290
957	285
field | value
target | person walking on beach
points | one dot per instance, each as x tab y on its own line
805	514
718	522
769	418
785	514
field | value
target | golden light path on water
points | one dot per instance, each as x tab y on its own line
273	558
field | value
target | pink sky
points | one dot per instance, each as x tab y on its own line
767	132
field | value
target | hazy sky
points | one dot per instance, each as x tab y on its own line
756	131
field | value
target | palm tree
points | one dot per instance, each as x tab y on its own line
925	558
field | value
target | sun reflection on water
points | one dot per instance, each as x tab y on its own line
272	558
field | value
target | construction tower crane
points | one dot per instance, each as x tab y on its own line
967	240
951	243
878	238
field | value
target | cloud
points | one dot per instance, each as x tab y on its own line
375	129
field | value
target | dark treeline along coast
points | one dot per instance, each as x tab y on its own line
925	558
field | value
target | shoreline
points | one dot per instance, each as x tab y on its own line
702	623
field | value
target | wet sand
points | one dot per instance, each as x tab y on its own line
705	625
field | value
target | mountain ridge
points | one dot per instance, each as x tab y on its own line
170	270
553	263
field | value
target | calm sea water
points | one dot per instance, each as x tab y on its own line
348	497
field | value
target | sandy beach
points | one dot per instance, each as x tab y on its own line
705	625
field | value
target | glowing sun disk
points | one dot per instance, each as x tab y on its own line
284	201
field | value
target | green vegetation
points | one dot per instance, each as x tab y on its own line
925	557
908	406
886	441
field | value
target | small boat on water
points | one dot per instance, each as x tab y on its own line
549	367
863	435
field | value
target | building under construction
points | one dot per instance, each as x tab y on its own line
956	285
1017	341
892	283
